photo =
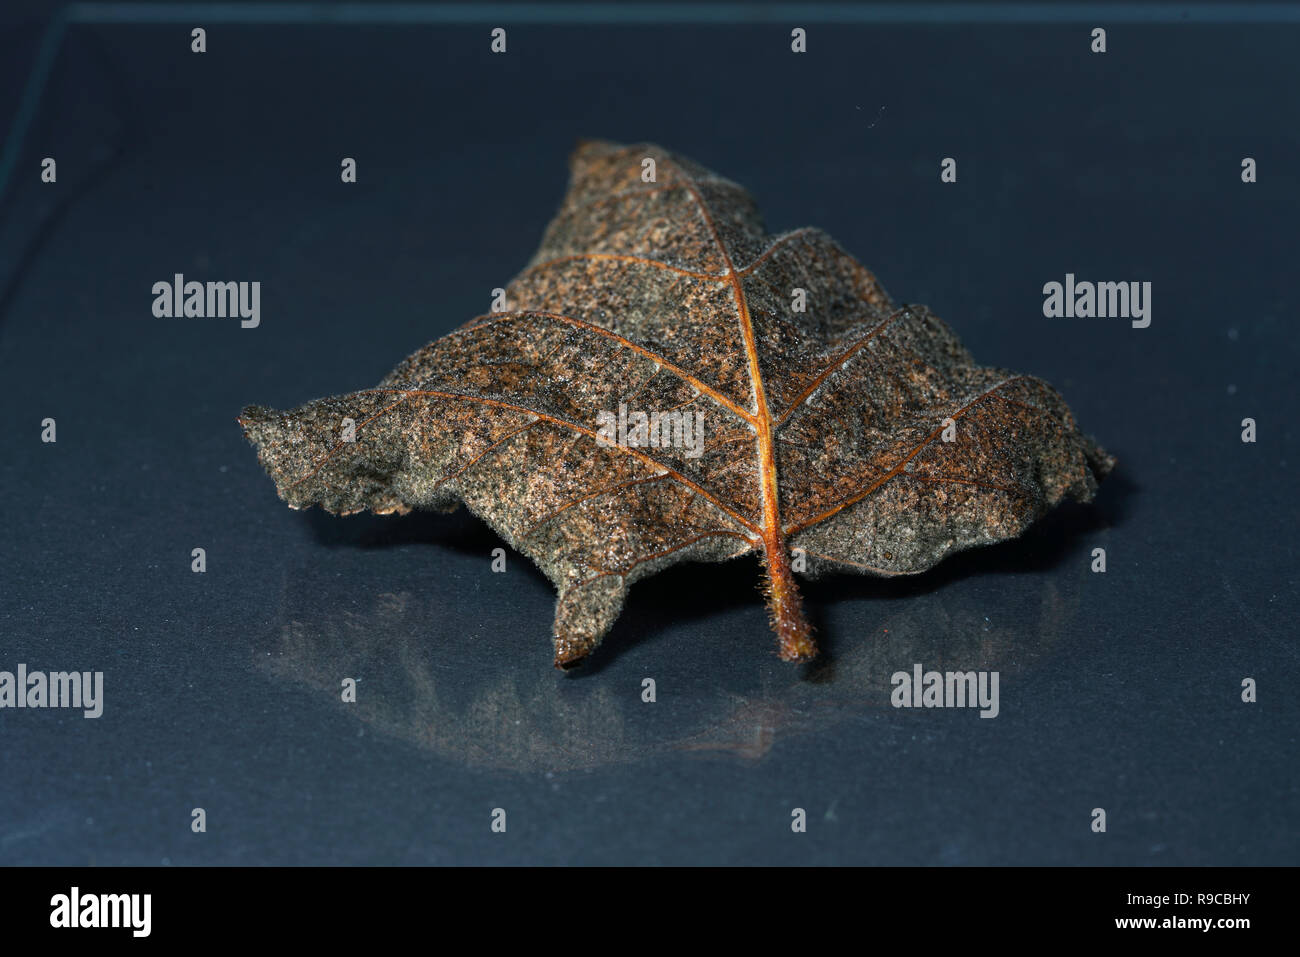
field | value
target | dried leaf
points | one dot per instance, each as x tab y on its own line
855	435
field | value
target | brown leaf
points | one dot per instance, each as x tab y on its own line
823	431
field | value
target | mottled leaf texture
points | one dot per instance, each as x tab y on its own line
823	430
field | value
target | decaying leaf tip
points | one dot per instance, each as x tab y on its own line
666	382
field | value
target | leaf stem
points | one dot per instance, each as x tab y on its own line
785	606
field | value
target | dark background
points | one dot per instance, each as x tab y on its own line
1119	691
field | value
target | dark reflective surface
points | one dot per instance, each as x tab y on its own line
411	659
